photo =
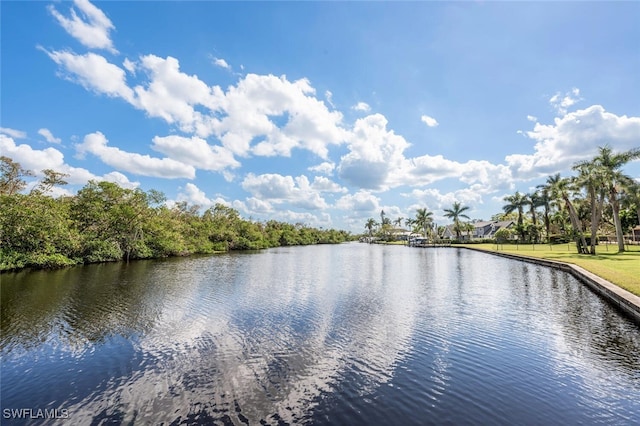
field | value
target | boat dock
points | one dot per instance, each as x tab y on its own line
424	242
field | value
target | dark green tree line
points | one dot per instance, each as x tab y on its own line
106	222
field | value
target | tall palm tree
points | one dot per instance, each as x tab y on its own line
385	227
398	222
562	189
545	201
455	213
590	177
614	179
632	197
535	200
517	202
423	221
371	223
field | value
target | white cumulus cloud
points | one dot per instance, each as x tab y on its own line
172	95
145	165
429	121
305	218
129	65
573	137
374	152
361	201
219	62
284	114
324	184
94	73
48	136
280	189
120	179
196	152
562	102
361	106
434	200
195	196
261	115
87	24
326	168
257	206
427	169
50	158
15	134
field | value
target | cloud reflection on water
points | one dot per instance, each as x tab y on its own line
294	333
275	344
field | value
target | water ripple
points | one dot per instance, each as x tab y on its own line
353	334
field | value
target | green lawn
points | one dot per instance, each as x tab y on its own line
622	269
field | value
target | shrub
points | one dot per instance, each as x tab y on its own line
221	246
503	234
103	251
10	259
559	239
49	261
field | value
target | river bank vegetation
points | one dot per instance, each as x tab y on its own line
598	204
105	222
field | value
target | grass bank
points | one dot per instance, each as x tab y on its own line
621	269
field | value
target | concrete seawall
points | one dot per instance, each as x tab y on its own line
624	300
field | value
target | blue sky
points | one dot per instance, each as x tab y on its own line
319	112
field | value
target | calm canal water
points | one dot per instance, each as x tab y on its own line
350	334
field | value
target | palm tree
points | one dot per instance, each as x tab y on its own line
590	178
545	201
468	227
610	166
534	200
455	213
561	189
517	202
560	219
632	198
423	221
385	227
398	222
371	223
